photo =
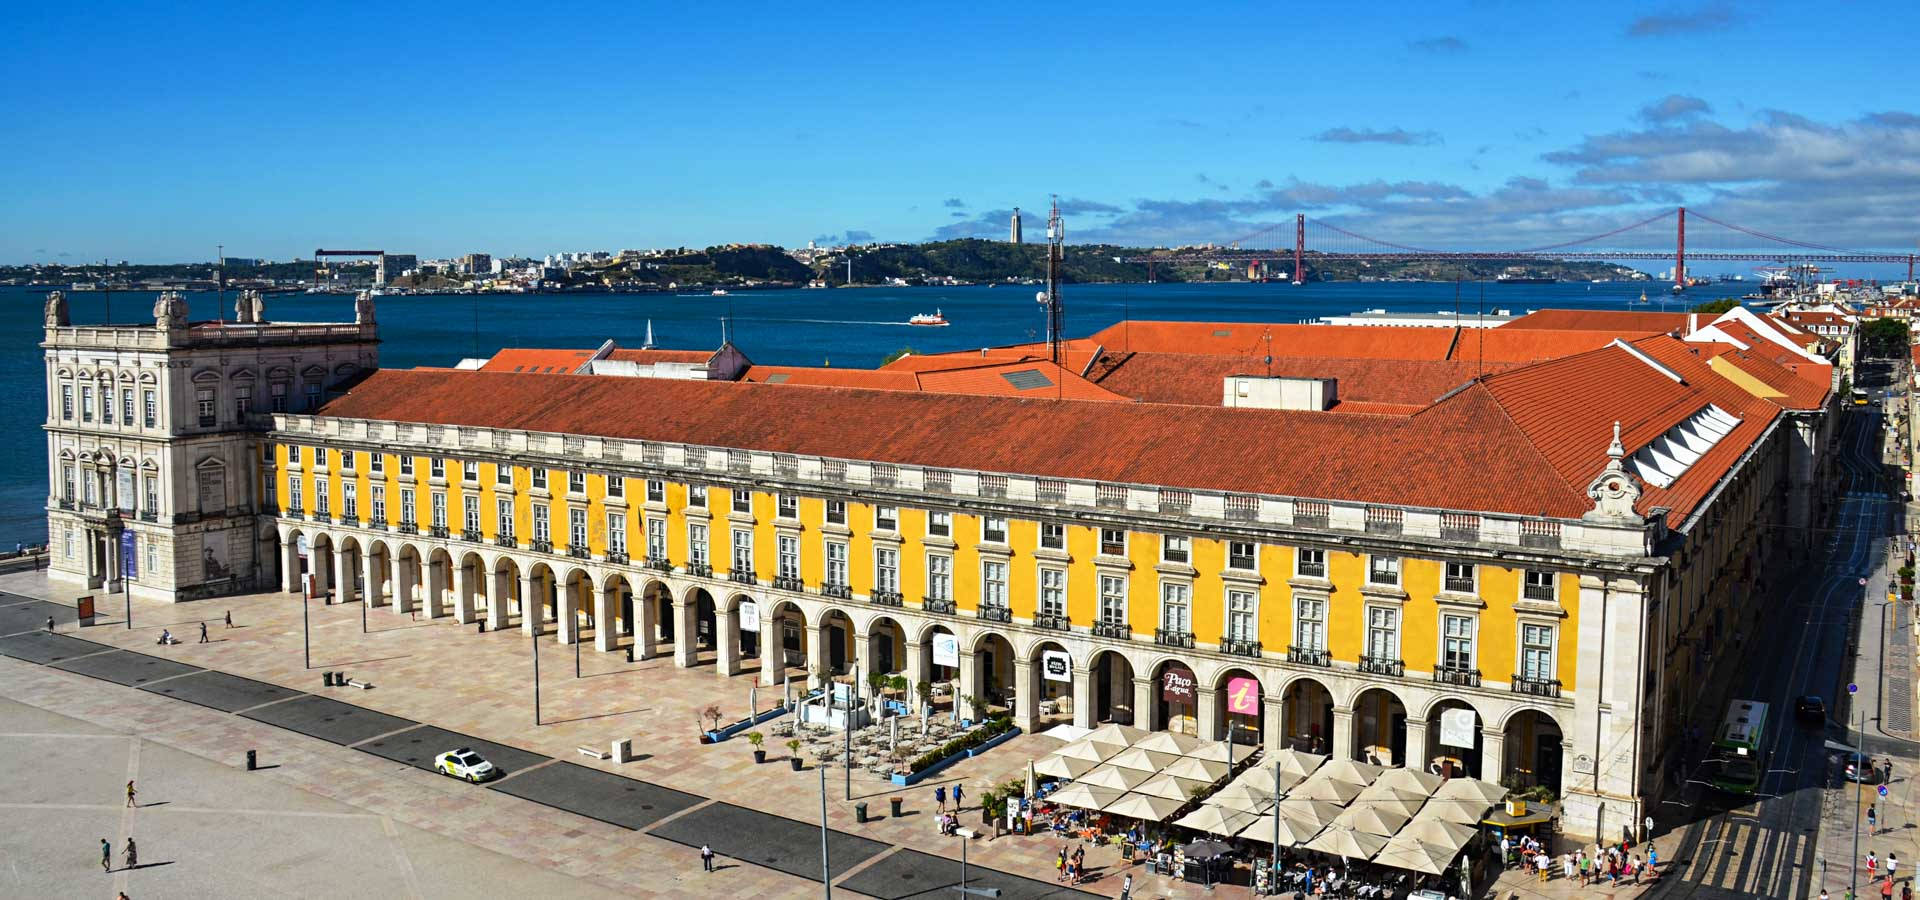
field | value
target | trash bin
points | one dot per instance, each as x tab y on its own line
895	803
251	764
860	812
483	626
326	678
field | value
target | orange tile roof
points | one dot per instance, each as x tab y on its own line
1255	340
1534	344
1027	378
1614	320
536	361
1198	379
661	356
1412	460
875	379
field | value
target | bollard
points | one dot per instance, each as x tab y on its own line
630	651
251	763
860	812
483	626
895	802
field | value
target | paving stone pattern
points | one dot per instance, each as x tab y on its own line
126	667
417	747
329	720
604	796
777	843
912	874
218	690
43	648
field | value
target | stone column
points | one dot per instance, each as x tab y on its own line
686	643
437	588
343	576
916	673
1082	697
646	629
568	616
289	568
1418	752
370	588
402	583
465	581
532	610
816	654
1026	699
1143	705
606	636
726	644
969	684
773	654
1493	755
1207	711
322	575
1340	743
862	653
1273	735
499	594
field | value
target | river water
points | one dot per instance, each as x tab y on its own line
847	327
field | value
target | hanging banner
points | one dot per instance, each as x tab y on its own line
946	650
1056	665
749	616
303	545
129	555
1457	727
1243	697
1177	684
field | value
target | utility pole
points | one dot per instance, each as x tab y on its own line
533	640
1859	737
826	872
306	626
1056	248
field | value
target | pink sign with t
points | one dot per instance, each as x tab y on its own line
1243	697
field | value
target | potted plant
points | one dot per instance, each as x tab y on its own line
756	739
925	690
793	754
877	683
712	713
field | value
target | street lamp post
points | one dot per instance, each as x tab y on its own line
1859	736
533	641
306	625
826	873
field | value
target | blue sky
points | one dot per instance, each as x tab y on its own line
153	134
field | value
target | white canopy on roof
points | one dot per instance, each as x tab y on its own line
1116	777
1387	796
1437	832
1409	781
1347	842
1470	789
1319	787
1218	751
1296	762
1197	769
1218	820
1168	742
1242	796
1063	766
1370	819
1116	733
1145	760
1087	750
1415	855
1085	796
1349	771
1292	831
1466	812
1144	807
1170	786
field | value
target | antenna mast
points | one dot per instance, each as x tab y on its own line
1056	313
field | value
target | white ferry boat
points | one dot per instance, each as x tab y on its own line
925	319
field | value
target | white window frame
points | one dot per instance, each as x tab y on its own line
379	502
656	491
696	544
436	467
993	584
1449	640
616	532
1453	570
939	576
1310	623
577	528
470	513
1053	591
1252	556
836	512
576	481
1383	632
1176	607
1532	653
1176	548
787	556
350	500
1314	555
697	496
406	464
438	507
886	569
786	506
1377	563
1113	599
742	550
886	518
940	523
1243	615
503	518
407	502
1106	534
835	572
470	471
993	529
656	539
543	523
1053	536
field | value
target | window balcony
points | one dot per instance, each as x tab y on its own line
993	613
505	540
1538	687
741	577
656	564
1309	657
541	546
886	598
579	553
1119	630
1050	621
149	515
470	535
702	570
1313	570
295	513
439	531
944	607
1541	592
1237	647
1457	675
617	557
1380	665
1167	637
409	528
788	583
67	503
839	591
1457	585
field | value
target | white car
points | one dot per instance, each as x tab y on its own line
464	763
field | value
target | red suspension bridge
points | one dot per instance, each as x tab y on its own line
1724	242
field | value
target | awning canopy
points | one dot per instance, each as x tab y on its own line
1415	855
1197	769
1409	781
1148	761
1116	777
1436	832
1218	820
1063	766
1168	742
1144	807
1470	789
1242	796
1348	843
1170	786
1085	796
1349	771
1371	819
1115	733
1320	787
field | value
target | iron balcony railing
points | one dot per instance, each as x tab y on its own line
1239	647
1120	630
409	528
1307	656
739	577
886	598
579	553
617	557
993	613
1459	585
541	546
1168	637
505	540
1381	665
840	591
657	564
1050	621
788	583
440	531
933	605
1457	675
1538	687
703	570
470	535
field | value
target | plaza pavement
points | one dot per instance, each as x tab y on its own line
632	828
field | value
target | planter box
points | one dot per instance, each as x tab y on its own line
997	740
721	734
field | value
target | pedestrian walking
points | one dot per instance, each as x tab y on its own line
1566	867
706	857
1873	865
1873	819
940	797
229	618
1886	889
133	854
49	623
130	792
956	798
1060	864
1893	865
1653	856
203	632
106	856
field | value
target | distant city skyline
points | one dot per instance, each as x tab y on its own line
618	127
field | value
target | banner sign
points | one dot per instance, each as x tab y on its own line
946	650
1177	684
129	556
1457	727
1056	665
303	545
1243	696
749	616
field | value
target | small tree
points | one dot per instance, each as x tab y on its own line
756	739
793	747
877	681
713	714
925	690
898	683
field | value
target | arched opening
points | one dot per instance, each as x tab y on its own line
993	674
1379	728
746	624
1241	707
409	569
1113	690
374	579
1453	738
1176	698
784	635
1534	748
439	578
320	563
347	571
1306	711
576	607
293	559
617	594
886	646
503	597
940	650
656	625
1052	684
836	644
540	609
472	587
702	622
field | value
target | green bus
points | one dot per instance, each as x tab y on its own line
1736	748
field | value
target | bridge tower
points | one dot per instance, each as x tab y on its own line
1680	253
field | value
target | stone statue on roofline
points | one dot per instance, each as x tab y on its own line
363	308
170	311
57	315
1614	491
250	308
